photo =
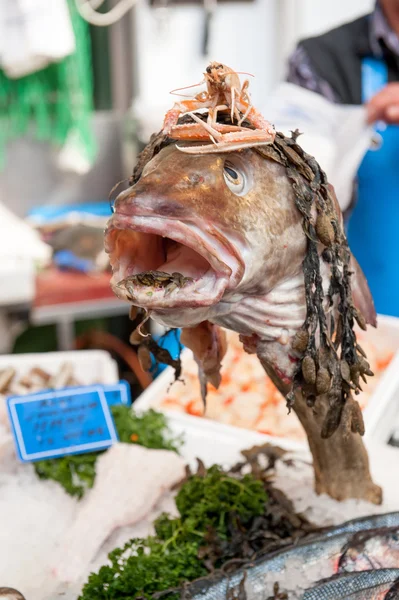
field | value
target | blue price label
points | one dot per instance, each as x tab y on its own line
59	422
117	393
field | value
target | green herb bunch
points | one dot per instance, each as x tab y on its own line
76	473
206	503
149	429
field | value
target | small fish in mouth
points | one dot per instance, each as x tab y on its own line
155	279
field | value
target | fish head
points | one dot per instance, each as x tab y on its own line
10	594
375	549
226	222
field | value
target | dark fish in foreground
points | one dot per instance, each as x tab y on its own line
298	567
365	523
366	585
375	549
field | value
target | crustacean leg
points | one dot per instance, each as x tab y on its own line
241	137
232	141
180	108
212	116
245	115
196	132
177	281
254	117
213	113
235	96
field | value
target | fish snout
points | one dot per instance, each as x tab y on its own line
141	200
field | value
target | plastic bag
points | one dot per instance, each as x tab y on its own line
336	135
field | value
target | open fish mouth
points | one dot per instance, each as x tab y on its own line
161	263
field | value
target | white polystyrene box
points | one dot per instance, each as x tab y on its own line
376	415
379	415
215	442
89	366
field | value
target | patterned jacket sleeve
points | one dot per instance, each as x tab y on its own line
301	72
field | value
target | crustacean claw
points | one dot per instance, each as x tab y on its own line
196	132
227	137
227	145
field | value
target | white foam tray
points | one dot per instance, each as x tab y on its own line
382	414
378	414
89	366
215	442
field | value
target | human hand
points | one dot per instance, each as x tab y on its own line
384	106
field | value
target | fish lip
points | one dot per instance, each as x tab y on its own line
203	242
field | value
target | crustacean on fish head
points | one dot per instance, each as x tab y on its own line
224	94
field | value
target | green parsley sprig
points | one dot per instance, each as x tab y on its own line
206	503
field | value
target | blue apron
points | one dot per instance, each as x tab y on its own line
373	228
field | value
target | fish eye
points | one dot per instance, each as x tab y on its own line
234	179
231	173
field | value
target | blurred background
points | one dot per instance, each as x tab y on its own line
82	87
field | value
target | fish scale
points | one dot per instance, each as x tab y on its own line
366	585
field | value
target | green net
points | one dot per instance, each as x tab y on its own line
54	102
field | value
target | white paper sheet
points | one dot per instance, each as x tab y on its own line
336	135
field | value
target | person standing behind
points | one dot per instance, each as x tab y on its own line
358	63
